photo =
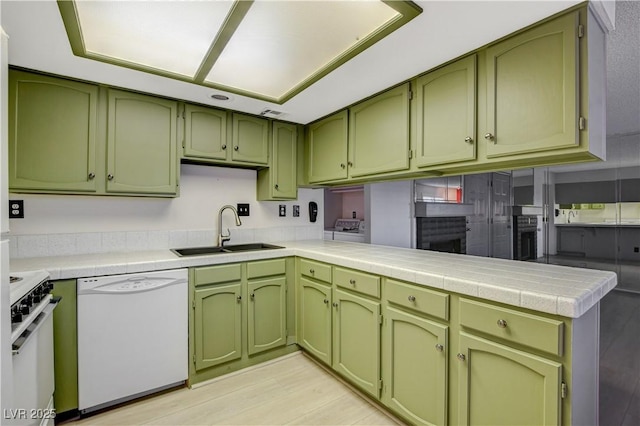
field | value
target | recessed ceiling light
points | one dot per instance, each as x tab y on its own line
220	97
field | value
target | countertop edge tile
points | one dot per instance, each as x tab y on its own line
563	291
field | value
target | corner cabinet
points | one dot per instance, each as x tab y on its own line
279	180
532	90
327	148
141	144
52	134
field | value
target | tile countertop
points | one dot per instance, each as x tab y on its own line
599	225
554	289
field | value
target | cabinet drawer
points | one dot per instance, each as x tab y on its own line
420	299
217	274
317	270
525	329
357	281
266	268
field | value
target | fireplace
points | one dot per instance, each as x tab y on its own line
525	237
446	234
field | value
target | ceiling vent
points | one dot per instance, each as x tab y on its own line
272	113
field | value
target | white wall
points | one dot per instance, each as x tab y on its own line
389	213
107	223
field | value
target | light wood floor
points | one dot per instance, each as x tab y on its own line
291	390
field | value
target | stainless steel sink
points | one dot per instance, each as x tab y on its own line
202	251
250	247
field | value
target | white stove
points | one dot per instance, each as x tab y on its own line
23	282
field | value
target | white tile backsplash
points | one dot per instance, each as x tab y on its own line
70	244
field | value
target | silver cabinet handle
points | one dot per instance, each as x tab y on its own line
342	165
502	323
326	301
311	271
276	186
352	282
238	298
468	139
92	175
235	148
490	137
349	163
411	298
223	147
253	296
334	304
110	176
439	347
461	357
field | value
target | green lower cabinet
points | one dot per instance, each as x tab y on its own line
314	328
415	367
499	385
267	327
217	327
356	340
65	347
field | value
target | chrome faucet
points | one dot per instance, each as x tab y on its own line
221	237
571	212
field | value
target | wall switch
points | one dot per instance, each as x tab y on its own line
282	211
296	211
243	209
16	209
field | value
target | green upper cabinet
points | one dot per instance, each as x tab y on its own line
279	180
250	139
532	90
446	114
379	134
327	148
141	144
499	385
217	327
52	134
356	340
267	314
415	367
205	133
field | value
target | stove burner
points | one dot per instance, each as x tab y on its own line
14	279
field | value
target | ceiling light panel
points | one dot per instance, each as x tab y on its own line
172	36
281	44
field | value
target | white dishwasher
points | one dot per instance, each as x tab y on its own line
132	336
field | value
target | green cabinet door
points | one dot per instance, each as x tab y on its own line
314	332
205	133
379	134
52	133
217	325
267	314
65	346
415	367
250	139
356	340
280	180
141	144
327	148
503	386
446	114
532	90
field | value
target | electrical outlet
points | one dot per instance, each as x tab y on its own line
243	209
282	211
296	211
16	209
